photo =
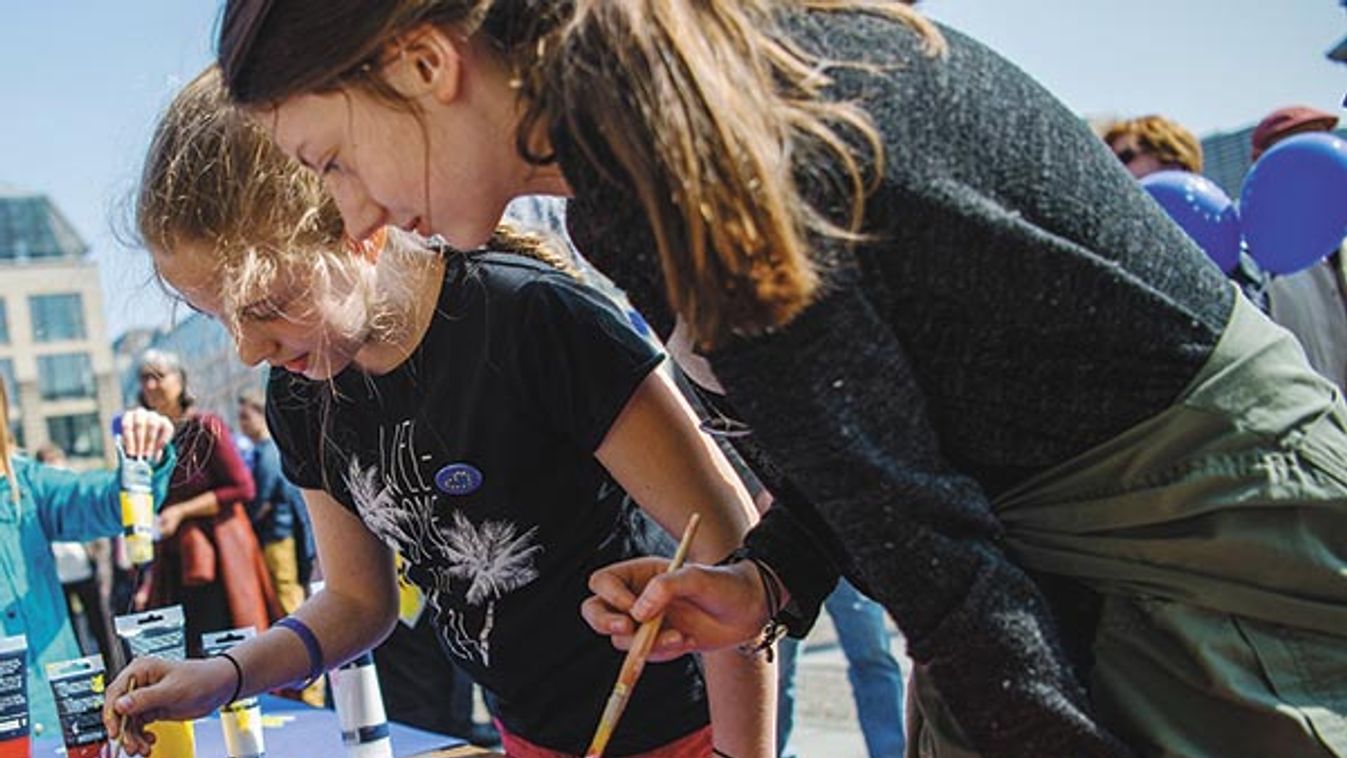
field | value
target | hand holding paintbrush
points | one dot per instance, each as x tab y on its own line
633	664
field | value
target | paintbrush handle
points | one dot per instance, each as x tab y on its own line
121	730
634	663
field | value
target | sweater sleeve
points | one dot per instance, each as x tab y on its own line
834	400
793	551
234	480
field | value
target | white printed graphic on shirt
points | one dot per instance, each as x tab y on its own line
493	558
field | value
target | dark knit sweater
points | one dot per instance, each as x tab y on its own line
1022	301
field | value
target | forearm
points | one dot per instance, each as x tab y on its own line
742	694
741	689
199	506
344	626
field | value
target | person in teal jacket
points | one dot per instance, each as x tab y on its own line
39	504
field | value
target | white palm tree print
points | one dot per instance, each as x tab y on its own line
405	524
493	558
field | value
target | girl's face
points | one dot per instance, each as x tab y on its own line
445	165
302	321
388	167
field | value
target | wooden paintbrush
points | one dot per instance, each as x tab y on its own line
121	731
635	660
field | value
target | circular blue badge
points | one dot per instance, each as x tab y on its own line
458	479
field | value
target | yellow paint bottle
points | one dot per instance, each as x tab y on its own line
137	499
174	739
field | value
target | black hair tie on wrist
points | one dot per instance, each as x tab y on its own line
238	676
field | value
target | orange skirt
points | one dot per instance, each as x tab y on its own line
694	745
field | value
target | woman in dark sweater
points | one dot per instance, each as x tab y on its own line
976	361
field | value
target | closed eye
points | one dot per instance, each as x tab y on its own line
329	166
262	310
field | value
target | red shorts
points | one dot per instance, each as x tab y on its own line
694	745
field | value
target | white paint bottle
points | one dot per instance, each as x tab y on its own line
241	720
360	709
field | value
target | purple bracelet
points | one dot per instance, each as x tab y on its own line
306	636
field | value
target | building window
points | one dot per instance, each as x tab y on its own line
4	324
57	317
66	375
79	435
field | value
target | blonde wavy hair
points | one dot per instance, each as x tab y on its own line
213	180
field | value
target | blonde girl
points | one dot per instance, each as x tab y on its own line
991	382
483	415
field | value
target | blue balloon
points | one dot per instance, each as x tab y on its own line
1294	202
1202	210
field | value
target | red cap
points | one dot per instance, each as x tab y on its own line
1284	122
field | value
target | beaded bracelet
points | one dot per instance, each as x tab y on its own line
774	629
311	645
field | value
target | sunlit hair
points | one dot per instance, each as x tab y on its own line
215	183
1171	144
706	106
7	446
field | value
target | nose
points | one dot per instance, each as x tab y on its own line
253	349
359	212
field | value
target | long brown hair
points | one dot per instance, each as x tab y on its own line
708	126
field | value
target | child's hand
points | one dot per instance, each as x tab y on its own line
145	433
166	690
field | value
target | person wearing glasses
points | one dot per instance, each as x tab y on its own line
1154	143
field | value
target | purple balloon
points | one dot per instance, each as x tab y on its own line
1202	210
1294	202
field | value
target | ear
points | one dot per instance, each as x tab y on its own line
428	60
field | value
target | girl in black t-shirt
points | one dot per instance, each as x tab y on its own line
482	415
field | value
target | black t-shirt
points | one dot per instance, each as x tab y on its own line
475	460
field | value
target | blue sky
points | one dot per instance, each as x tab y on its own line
82	81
